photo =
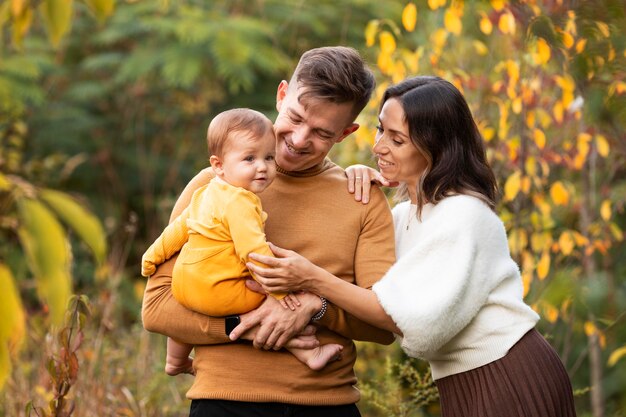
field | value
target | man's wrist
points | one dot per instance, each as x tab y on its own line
318	316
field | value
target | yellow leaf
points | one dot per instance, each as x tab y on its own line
384	62
512	186
17	7
438	38
590	328
616	355
616	231
387	42
557	111
370	32
559	194
57	17
518	240
540	241
568	40
12	324
488	133
21	24
101	8
485	24
605	210
83	222
497	4
611	56
506	24
566	243
604	29
539	138
409	17
551	313
580	45
543	52
46	248
481	48
603	145
543	267
531	166
435	4
452	21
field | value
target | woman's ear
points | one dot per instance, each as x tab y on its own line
216	164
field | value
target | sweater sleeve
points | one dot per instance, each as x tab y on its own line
245	223
160	311
374	255
166	245
438	286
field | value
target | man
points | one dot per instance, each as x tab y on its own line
310	212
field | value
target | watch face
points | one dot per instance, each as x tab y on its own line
230	323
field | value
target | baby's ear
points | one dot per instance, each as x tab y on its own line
216	164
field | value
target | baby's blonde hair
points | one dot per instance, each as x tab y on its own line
223	126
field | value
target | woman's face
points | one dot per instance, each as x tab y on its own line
398	158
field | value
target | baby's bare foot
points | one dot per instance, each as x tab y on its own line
323	355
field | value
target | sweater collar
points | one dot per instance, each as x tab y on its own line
309	172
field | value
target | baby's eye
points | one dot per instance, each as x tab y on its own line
269	158
249	158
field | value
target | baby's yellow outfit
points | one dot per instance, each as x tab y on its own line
221	227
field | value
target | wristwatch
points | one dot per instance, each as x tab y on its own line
230	322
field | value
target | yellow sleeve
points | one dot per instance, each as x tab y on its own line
244	218
167	245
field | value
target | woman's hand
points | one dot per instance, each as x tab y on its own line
288	272
360	178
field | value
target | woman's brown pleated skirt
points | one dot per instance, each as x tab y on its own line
530	381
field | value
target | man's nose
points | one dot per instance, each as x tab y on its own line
300	136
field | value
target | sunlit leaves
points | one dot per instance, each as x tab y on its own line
12	324
370	32
47	251
543	266
602	145
506	23
435	4
387	42
616	355
409	17
512	186
605	210
80	220
542	56
452	20
57	17
485	24
559	194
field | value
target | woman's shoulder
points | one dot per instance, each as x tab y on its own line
467	209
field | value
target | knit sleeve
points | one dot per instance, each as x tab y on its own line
438	286
244	218
374	256
166	245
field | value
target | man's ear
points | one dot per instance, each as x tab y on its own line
216	164
281	93
347	131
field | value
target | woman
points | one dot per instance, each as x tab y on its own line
454	296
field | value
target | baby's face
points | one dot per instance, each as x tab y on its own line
249	162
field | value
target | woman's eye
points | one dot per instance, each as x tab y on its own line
380	129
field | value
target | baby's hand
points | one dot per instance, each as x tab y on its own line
290	301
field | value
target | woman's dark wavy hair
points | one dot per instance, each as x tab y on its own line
442	128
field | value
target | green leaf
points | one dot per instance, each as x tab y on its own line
48	254
12	323
82	221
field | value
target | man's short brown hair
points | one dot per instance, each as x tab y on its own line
223	126
337	74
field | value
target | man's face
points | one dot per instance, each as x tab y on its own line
307	130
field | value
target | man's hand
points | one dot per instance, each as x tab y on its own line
277	325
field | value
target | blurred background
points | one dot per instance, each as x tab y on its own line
104	106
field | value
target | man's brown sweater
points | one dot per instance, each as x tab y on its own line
312	213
